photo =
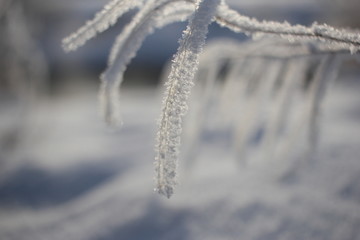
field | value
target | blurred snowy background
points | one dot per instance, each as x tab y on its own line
64	175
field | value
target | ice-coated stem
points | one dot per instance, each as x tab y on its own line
102	21
179	84
337	38
154	14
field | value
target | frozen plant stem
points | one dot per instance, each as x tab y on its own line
335	38
153	14
179	84
102	21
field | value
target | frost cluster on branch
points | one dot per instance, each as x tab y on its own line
154	14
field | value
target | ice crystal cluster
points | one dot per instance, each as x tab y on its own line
154	14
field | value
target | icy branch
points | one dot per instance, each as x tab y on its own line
152	15
334	37
178	90
102	21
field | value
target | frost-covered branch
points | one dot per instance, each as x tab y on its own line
102	21
334	37
178	90
153	14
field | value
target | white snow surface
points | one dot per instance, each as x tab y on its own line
74	179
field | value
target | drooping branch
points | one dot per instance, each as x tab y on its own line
178	90
102	21
153	15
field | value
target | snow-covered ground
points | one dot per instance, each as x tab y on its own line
74	179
